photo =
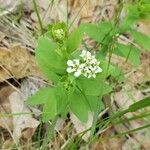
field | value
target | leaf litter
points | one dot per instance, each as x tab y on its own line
24	66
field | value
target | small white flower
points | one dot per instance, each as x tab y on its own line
70	63
70	70
74	66
73	62
85	74
86	55
87	69
93	74
82	66
92	61
98	69
76	61
78	73
97	63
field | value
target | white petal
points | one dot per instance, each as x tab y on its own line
94	75
83	53
88	54
87	58
70	69
87	69
98	69
93	68
76	61
93	61
89	76
98	62
77	73
82	66
85	74
70	63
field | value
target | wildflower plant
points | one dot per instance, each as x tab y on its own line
74	72
80	76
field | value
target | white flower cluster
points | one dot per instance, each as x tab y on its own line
89	66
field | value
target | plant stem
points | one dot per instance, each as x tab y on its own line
111	46
50	133
38	15
67	13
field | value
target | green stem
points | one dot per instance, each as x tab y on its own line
67	14
50	133
131	131
77	14
38	15
96	113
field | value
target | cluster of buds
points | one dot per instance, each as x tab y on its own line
59	34
88	66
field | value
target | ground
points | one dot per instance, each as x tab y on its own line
20	77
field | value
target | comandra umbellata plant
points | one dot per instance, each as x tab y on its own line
79	74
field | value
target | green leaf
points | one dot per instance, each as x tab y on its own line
142	39
49	61
75	54
99	32
62	100
53	100
113	70
89	86
50	108
93	102
144	9
128	21
40	97
116	72
78	105
74	40
93	87
129	52
96	86
106	89
139	105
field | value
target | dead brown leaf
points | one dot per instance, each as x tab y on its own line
106	143
79	11
17	62
123	99
80	127
11	5
21	122
5	107
8	144
131	92
144	27
8	5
